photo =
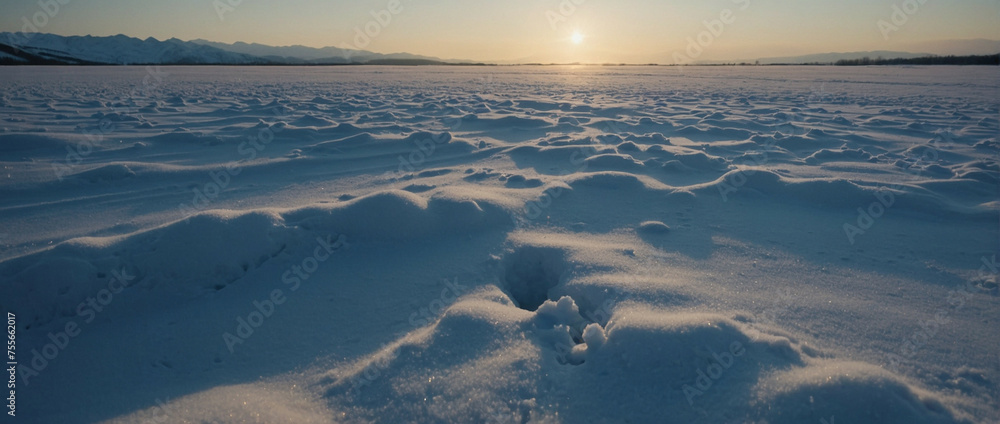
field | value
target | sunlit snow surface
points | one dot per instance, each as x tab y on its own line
504	244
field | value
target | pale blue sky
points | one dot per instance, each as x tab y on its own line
621	30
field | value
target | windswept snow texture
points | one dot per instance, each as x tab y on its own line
502	245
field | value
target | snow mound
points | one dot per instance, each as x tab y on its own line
10	143
400	214
219	247
451	371
183	135
850	391
486	359
611	180
838	192
105	173
244	403
653	227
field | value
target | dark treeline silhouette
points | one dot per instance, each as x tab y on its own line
929	60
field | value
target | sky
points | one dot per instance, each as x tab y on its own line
633	31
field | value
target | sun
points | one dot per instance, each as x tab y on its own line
577	37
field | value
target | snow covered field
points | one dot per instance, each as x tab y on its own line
502	244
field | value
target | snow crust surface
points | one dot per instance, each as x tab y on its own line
512	244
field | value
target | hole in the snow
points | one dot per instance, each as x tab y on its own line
530	272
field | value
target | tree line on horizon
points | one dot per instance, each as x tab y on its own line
993	59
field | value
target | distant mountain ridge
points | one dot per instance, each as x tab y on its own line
311	55
114	50
51	49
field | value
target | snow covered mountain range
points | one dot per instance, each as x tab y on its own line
16	48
